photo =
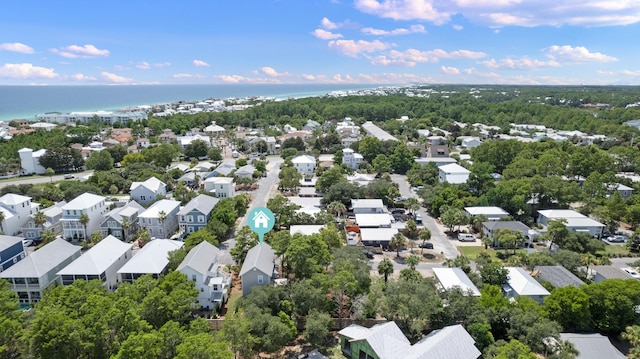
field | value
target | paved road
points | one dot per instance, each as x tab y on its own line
260	198
36	179
441	243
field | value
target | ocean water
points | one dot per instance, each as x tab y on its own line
25	102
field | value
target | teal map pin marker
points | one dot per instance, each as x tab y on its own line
261	221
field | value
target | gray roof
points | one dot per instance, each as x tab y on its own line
8	241
125	211
99	258
559	276
512	225
248	169
42	261
153	258
225	169
201	257
610	272
261	257
592	346
376	131
202	203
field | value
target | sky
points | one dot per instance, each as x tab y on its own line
395	42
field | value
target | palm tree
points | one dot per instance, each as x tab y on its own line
424	235
2	218
126	225
40	219
84	220
412	261
588	259
162	216
336	208
47	236
397	241
385	268
412	204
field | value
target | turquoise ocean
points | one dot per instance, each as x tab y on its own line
25	102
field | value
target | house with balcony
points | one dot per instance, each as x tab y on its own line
147	191
201	265
195	215
222	187
122	222
152	259
351	159
92	205
17	210
258	267
101	262
11	251
305	164
161	219
37	271
52	214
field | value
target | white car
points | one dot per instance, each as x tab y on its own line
632	272
27	242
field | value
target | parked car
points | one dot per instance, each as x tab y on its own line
397	211
427	245
69	176
632	272
399	199
27	242
617	239
417	218
466	237
368	254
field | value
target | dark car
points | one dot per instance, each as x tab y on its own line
397	211
368	254
427	245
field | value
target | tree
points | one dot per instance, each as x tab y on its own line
196	149
237	331
453	217
39	219
161	155
385	268
381	164
481	333
424	236
494	274
336	208
514	349
84	220
398	241
95	238
126	226
162	217
412	261
329	178
132	158
294	142
195	238
61	159
612	303
100	161
317	326
632	334
245	240
412	204
401	159
10	321
509	239
289	178
569	306
306	256
117	152
214	154
50	172
2	218
370	147
202	346
47	237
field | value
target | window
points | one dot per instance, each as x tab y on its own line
260	279
193	277
215	287
189	218
32	281
143	198
18	281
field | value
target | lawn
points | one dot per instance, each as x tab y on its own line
472	252
616	251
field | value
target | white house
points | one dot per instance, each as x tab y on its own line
101	262
351	159
453	173
305	164
147	191
450	278
377	237
184	141
214	130
87	203
152	259
368	206
223	187
492	213
471	142
202	266
373	220
52	214
161	219
575	221
30	160
17	210
520	283
37	271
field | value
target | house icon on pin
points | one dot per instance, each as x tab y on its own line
260	220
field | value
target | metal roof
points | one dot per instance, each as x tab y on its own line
42	261
153	258
524	284
200	258
99	258
451	278
261	257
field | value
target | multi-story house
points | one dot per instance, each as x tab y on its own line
16	209
101	262
195	215
37	271
152	259
122	222
161	219
305	164
89	204
351	159
11	251
147	191
223	187
258	267
202	266
52	216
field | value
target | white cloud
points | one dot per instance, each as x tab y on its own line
200	63
26	71
80	52
325	35
82	77
16	47
450	70
328	24
576	54
271	72
498	13
143	65
524	63
411	57
621	72
353	48
111	77
182	76
458	27
413	29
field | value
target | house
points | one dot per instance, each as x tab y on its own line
574	221
375	131
195	215
152	259
122	222
592	346
30	160
450	278
245	172
222	187
625	191
361	179
11	251
161	219
37	271
453	173
373	220
184	141
214	130
52	215
471	142
17	210
201	265
306	230
89	204
101	262
558	276
224	169
377	237
147	191
489	228
439	161
368	206
601	273
386	341
258	267
351	159
492	213
305	164
520	283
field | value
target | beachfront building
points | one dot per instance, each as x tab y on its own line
84	117
92	205
30	160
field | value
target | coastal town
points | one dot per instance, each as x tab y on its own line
430	222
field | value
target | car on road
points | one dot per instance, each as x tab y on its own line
427	245
632	272
617	239
368	254
69	176
418	218
399	199
397	211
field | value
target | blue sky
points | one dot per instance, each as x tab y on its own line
549	42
